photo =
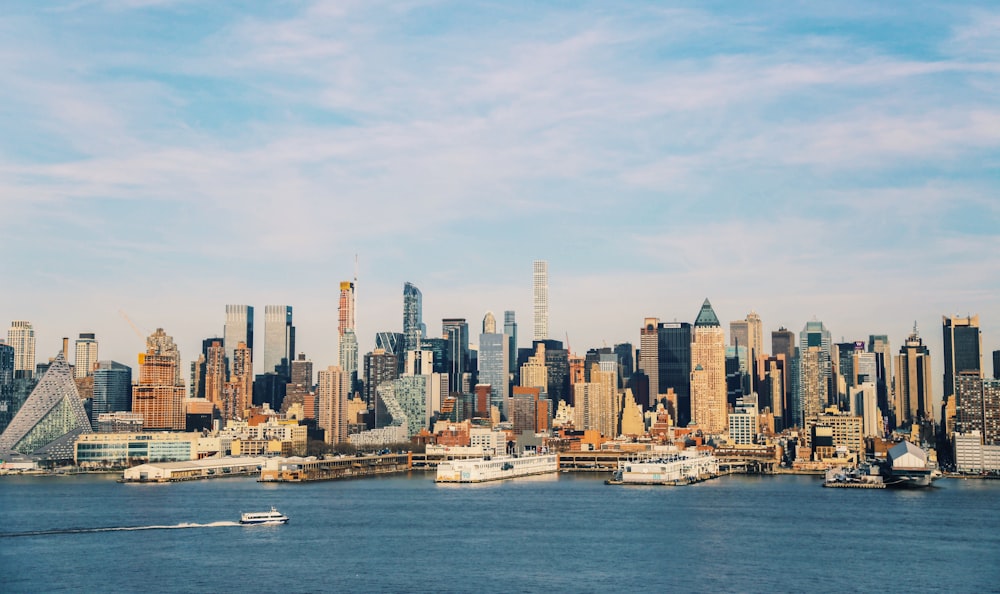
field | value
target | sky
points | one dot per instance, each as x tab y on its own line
804	160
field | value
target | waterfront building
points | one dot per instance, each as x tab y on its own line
845	429
239	328
963	347
510	329
411	400
21	336
85	355
116	450
413	318
743	423
331	391
279	340
674	367
112	389
708	372
977	406
913	392
51	418
972	456
119	422
540	298
649	360
493	367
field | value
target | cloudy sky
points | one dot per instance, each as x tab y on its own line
805	160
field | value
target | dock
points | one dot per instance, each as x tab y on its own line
872	485
301	470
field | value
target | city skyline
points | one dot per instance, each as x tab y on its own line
801	163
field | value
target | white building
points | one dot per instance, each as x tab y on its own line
972	456
86	356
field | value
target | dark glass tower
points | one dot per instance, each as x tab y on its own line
413	319
674	365
962	350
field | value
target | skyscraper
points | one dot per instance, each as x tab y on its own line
413	319
510	329
674	360
347	346
239	328
237	393
216	371
649	360
332	396
493	366
708	372
456	331
914	396
159	395
812	397
279	340
878	344
160	344
112	389
540	294
8	405
977	407
963	349
86	355
815	334
21	336
345	308
489	323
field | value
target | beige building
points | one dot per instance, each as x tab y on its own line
157	396
331	391
534	373
649	355
708	373
912	388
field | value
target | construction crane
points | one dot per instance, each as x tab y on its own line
135	328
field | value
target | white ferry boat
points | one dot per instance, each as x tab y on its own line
677	469
268	517
495	468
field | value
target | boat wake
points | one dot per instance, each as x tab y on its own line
180	526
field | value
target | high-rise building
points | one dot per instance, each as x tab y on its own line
493	366
413	318
963	347
674	362
279	340
381	367
86	355
51	418
510	329
914	396
160	344
216	371
347	346
996	365
345	308
557	369
540	294
239	328
649	359
749	333
783	343
332	395
708	372
878	344
21	336
456	332
977	407
159	396
812	397
489	323
237	393
626	361
112	389
534	373
8	404
815	334
598	403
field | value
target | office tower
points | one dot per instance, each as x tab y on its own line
783	348
864	403
489	323
493	367
413	318
239	328
773	392
345	308
674	364
456	332
749	333
51	418
598	403
510	329
162	345
523	412
977	406
557	369
813	385
332	395
8	405
996	365
708	372
963	347
85	355
300	384
649	360
21	336
814	333
279	340
112	389
438	346
878	344
381	367
158	396
216	371
540	292
914	396
534	373
390	342
626	361
844	365
348	357
737	378
743	422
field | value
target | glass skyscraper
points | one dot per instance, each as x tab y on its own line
112	389
413	318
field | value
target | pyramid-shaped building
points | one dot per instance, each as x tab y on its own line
51	419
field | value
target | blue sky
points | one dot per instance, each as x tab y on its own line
800	159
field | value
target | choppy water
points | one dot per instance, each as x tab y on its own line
554	534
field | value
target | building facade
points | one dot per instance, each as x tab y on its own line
540	298
21	336
239	328
279	340
85	355
708	372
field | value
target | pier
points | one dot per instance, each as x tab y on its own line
300	470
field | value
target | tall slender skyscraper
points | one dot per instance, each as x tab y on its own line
963	350
649	362
493	367
86	355
159	395
279	339
456	332
348	336
674	358
878	344
413	319
914	396
708	372
345	308
160	344
239	328
815	334
21	336
332	396
541	298
510	329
